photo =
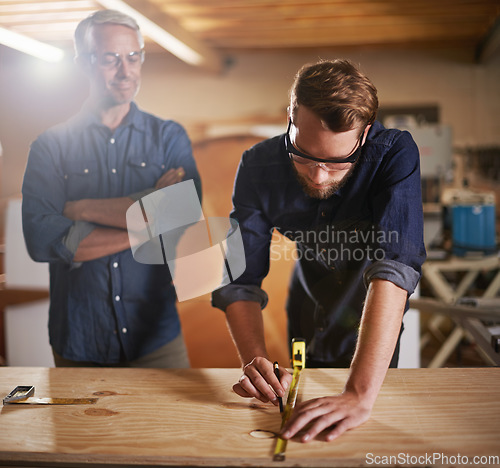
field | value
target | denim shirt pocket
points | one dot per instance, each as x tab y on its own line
145	171
82	179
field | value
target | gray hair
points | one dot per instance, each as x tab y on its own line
84	30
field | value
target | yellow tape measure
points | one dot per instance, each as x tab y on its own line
54	401
298	363
23	394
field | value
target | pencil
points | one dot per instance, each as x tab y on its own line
277	374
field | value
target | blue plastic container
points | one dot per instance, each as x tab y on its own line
473	229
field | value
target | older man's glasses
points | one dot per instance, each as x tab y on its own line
110	60
328	165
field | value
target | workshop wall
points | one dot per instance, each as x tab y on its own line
35	95
252	90
257	84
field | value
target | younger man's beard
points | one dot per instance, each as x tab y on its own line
328	190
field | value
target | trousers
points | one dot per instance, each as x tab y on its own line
173	355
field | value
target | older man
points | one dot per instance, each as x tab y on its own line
105	308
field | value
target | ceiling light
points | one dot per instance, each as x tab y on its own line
30	46
156	33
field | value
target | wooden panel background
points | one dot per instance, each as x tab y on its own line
205	331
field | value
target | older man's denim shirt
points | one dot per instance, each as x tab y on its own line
371	228
112	308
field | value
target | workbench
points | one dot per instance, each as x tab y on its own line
191	417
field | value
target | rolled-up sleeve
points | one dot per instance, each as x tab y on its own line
222	297
77	232
44	225
398	273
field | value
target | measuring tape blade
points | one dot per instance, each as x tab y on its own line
298	360
54	401
23	394
279	451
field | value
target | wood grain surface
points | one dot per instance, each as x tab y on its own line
192	418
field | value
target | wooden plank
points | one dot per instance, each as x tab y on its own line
280	24
342	23
326	37
169	417
275	12
382	5
343	26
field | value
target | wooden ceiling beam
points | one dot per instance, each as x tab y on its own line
296	37
242	4
209	59
254	9
335	28
210	27
278	12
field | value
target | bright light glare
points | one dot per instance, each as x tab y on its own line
30	46
155	32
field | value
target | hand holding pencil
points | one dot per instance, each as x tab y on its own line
277	374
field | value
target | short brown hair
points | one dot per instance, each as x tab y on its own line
337	92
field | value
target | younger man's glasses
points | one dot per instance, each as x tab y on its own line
328	165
